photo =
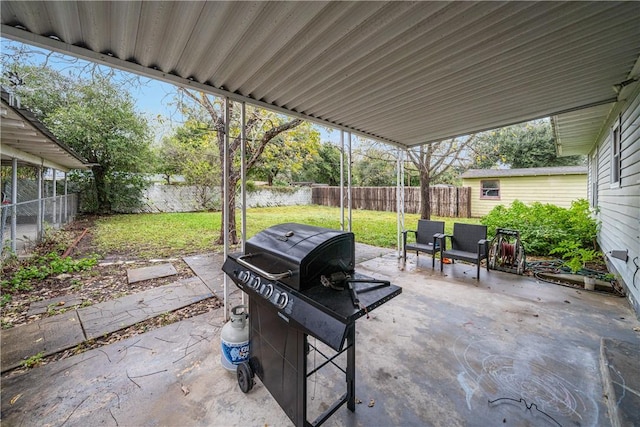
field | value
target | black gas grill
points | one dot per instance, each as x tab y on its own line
301	282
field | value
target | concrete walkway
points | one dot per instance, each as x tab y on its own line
450	350
57	333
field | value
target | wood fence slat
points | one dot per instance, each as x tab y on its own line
453	202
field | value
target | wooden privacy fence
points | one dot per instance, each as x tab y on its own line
453	202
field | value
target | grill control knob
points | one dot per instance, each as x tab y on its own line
282	300
244	276
255	284
267	291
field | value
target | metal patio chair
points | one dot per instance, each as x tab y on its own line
468	243
426	239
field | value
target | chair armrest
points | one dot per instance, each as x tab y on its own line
442	238
482	243
404	235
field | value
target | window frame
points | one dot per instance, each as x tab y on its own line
616	154
482	189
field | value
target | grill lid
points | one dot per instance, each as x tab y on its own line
307	251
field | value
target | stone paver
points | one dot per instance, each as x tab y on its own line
208	268
153	272
65	301
49	336
110	316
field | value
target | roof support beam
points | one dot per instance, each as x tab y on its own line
14	153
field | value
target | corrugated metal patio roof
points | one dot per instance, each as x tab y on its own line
401	72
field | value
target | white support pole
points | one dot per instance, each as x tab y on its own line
54	194
66	198
342	180
40	220
349	162
14	206
226	196
400	198
243	175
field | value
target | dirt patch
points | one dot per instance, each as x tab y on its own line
105	281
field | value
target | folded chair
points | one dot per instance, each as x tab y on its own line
426	237
468	243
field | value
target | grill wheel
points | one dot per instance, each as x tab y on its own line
245	377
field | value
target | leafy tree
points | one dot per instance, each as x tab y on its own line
261	127
433	160
102	126
97	119
375	167
525	145
191	151
323	168
288	153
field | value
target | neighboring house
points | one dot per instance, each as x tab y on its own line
610	135
556	185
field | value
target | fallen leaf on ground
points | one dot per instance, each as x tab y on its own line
185	390
371	403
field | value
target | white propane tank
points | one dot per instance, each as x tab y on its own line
234	338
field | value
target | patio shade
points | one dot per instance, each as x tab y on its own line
405	73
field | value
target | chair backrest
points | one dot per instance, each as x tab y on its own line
466	236
426	230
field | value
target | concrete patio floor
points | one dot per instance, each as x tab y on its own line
506	350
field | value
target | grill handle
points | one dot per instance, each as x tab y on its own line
271	276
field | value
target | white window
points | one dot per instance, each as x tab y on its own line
490	189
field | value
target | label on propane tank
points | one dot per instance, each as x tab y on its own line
235	353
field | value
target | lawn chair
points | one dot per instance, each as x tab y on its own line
468	243
426	237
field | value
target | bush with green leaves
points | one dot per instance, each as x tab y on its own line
543	227
574	255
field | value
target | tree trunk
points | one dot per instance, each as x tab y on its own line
104	205
425	199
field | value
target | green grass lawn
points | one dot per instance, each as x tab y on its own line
176	234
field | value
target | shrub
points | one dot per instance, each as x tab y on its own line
544	227
574	255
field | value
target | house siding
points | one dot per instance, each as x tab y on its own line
558	190
619	206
